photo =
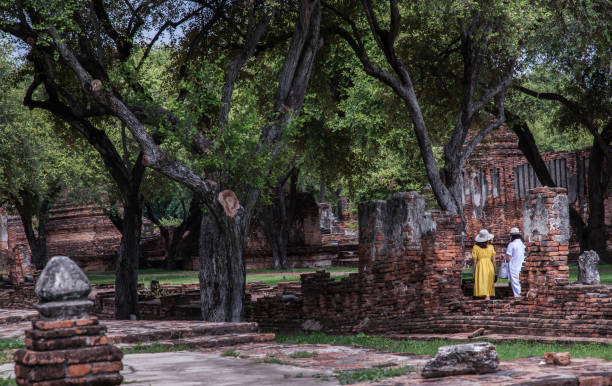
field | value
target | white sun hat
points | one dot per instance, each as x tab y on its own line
483	236
515	231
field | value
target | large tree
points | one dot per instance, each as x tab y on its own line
575	74
454	56
36	167
91	44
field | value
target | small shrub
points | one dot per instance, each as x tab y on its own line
230	353
303	354
274	360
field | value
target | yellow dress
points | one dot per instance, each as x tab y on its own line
484	275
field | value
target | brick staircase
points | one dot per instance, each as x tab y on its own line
348	257
10	316
126	334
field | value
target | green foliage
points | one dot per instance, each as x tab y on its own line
185	277
303	354
572	58
271	359
371	375
11	344
36	165
8	382
7	348
230	353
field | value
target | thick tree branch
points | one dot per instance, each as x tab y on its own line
254	35
576	110
166	25
153	155
501	118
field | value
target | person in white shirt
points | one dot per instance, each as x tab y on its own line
516	251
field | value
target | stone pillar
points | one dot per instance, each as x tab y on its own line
392	229
326	217
66	346
343	212
3	229
19	264
547	233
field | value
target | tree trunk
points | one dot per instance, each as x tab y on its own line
222	273
276	235
322	189
277	219
130	252
37	238
598	180
189	227
529	148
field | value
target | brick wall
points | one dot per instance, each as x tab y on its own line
82	232
409	279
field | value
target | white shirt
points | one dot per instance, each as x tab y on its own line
516	251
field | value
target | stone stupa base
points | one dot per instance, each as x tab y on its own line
74	352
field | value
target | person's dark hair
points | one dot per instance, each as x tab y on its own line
514	237
481	244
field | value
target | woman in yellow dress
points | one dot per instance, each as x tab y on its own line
484	265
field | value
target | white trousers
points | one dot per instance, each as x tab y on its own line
515	283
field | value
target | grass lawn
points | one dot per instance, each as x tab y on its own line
8	347
506	350
268	276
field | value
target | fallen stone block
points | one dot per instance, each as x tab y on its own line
471	358
476	333
557	358
587	268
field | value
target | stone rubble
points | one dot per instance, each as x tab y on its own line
471	358
587	268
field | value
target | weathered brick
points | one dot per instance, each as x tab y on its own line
107	367
75	371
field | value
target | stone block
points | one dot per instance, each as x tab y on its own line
62	279
472	358
557	358
587	268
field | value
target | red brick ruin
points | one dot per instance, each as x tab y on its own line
497	178
409	259
409	279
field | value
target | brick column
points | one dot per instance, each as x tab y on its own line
547	233
19	264
390	231
443	262
66	346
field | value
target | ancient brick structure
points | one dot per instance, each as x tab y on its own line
409	279
82	232
497	178
66	346
87	235
546	229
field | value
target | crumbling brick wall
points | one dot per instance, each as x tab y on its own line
409	279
